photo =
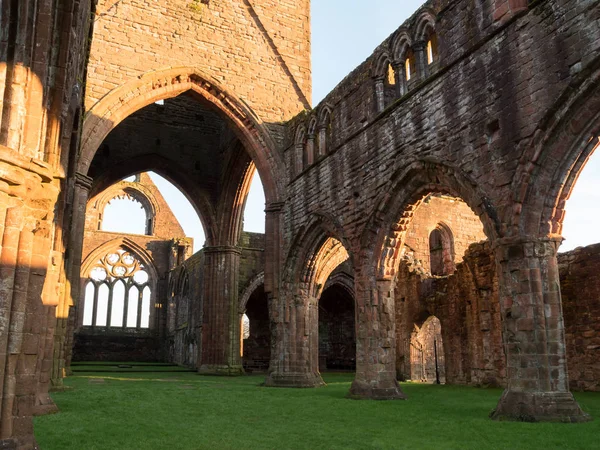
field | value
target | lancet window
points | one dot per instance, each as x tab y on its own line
118	293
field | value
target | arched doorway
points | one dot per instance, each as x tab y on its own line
427	360
337	338
256	333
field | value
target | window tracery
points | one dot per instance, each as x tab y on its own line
118	293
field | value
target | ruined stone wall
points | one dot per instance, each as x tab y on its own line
42	59
464	225
445	116
232	42
466	304
185	132
488	121
162	248
185	304
580	289
337	335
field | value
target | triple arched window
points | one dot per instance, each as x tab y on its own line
118	292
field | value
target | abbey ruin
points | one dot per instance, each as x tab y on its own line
413	216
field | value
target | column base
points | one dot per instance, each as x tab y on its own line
362	390
223	370
8	444
44	405
294	380
539	407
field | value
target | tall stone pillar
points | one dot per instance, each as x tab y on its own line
400	78
380	93
220	353
295	330
65	327
28	193
294	317
420	49
533	334
375	340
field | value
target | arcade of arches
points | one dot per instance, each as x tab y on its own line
413	217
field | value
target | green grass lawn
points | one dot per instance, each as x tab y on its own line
183	410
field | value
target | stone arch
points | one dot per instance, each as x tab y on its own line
424	25
151	283
300	135
198	198
325	115
309	149
447	252
121	242
408	187
317	251
381	67
384	74
121	102
251	286
133	190
324	129
559	150
342	279
427	350
401	44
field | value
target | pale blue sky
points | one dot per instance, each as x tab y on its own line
344	34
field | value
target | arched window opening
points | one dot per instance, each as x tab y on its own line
324	133
427	362
337	338
391	76
254	210
124	214
582	209
436	258
432	51
255	333
182	209
441	251
88	304
118	293
410	65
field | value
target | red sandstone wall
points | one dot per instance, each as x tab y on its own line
466	304
580	287
185	308
234	42
127	344
465	225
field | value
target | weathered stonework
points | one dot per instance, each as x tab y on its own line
163	247
500	107
580	288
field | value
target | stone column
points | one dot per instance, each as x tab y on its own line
533	334
420	49
220	354
295	355
310	150
375	340
65	328
400	77
322	148
379	94
298	159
